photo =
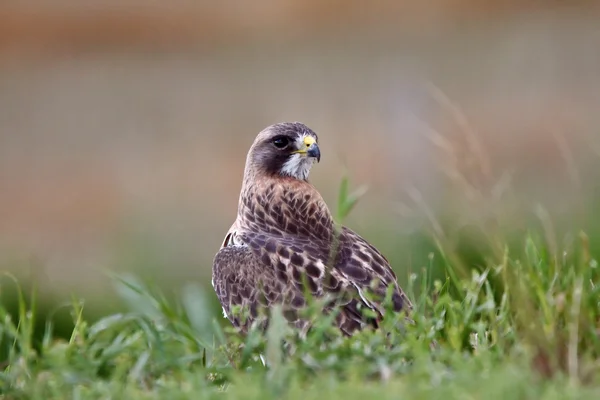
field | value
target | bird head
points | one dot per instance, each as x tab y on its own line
284	149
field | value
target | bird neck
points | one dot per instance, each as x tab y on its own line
285	206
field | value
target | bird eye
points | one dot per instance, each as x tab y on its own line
281	141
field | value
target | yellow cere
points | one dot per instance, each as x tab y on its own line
309	140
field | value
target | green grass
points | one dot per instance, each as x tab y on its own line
522	321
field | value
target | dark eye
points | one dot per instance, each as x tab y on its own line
281	141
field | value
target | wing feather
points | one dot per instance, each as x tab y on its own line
242	280
295	265
368	269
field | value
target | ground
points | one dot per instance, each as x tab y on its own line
522	325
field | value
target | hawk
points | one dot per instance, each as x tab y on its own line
284	243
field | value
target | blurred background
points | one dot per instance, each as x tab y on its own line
124	125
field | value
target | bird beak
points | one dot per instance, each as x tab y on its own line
313	151
310	148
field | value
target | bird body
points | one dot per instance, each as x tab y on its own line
284	243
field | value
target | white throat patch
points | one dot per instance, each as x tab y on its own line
298	166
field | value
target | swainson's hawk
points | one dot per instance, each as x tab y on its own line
284	238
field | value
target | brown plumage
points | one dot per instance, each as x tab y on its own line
284	242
